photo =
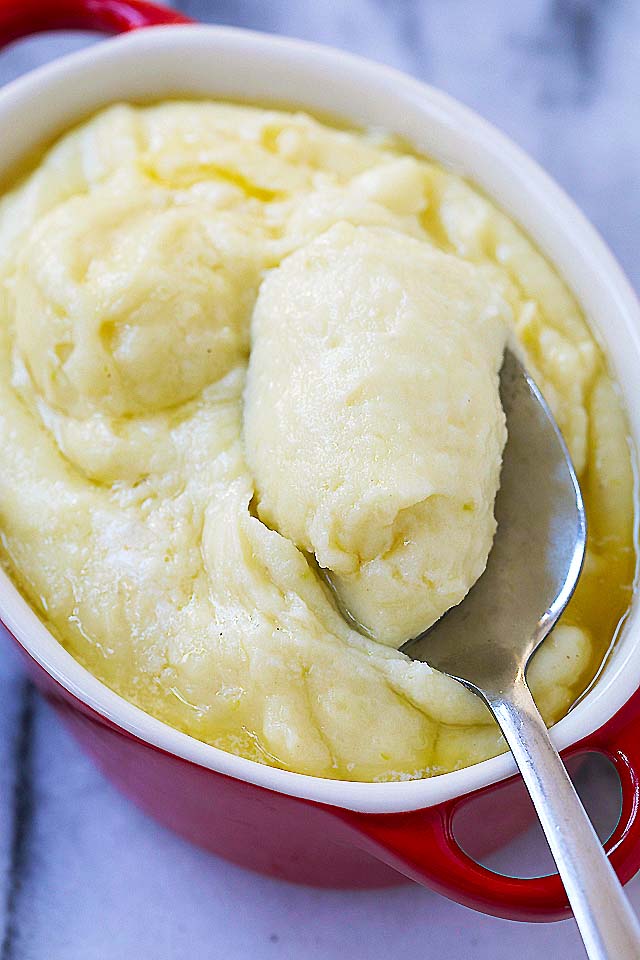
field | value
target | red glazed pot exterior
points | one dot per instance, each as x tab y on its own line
312	843
297	839
271	833
21	18
422	843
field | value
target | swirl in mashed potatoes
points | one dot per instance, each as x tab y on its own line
249	379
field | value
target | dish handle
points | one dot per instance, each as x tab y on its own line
422	843
21	19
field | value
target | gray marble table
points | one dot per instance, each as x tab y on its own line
86	876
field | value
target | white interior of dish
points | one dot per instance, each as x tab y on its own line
223	62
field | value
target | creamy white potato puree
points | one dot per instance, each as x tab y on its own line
249	377
373	425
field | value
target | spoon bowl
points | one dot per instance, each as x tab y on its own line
536	558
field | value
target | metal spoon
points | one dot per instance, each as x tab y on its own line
488	640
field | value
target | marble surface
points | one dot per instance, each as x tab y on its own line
86	876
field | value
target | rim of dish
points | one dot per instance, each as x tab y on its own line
621	678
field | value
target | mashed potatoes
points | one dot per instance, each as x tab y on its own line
249	377
373	425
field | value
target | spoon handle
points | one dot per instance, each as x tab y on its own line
606	921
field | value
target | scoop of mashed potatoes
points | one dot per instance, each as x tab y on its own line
373	425
242	352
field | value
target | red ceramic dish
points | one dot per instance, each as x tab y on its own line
297	827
